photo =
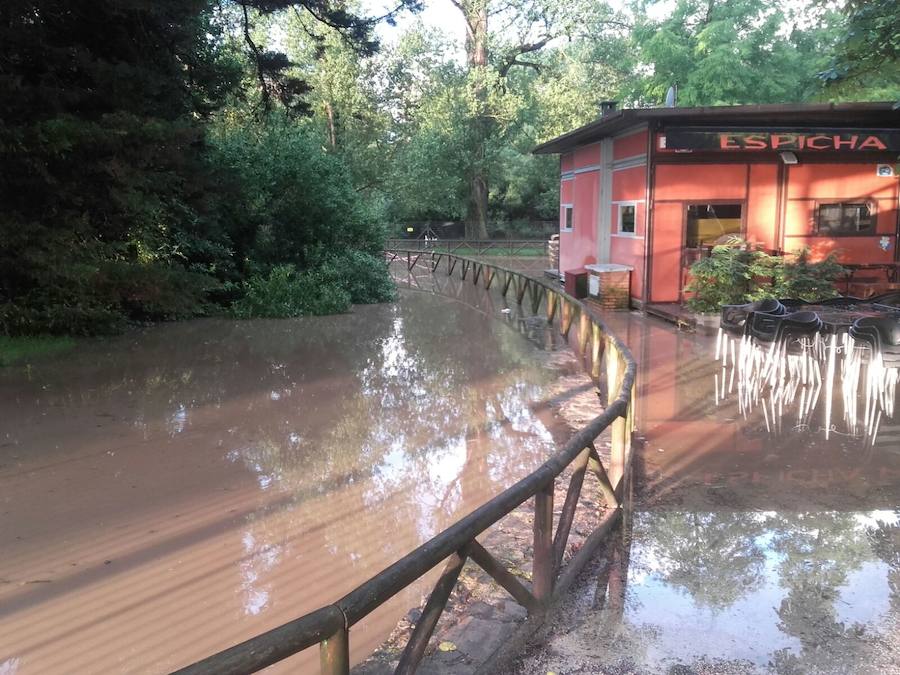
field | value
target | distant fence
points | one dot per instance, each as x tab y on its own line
330	626
506	247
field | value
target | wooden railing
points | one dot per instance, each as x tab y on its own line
505	247
330	626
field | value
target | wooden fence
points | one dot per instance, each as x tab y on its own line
505	247
329	626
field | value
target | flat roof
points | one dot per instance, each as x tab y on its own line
859	115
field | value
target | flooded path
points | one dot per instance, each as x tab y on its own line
755	544
171	492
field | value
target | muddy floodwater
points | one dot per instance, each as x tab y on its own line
757	543
169	493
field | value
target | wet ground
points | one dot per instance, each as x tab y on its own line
169	493
754	544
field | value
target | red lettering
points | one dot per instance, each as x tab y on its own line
840	142
801	142
726	142
811	142
755	143
783	139
872	142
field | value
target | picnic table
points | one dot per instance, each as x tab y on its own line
856	277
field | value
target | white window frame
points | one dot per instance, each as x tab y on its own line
619	231
566	209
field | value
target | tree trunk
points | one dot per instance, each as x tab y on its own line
329	115
476	16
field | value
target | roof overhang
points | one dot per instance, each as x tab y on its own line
879	114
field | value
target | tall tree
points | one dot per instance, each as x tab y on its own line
867	56
526	27
731	51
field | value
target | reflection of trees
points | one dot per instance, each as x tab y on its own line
435	419
819	551
886	544
715	557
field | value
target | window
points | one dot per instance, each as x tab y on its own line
845	218
710	224
626	218
568	217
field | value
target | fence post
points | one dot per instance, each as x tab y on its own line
334	654
618	429
596	352
542	565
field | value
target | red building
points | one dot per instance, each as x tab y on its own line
654	188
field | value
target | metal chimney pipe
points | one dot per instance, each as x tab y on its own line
607	107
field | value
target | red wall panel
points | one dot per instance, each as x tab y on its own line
629	184
630	146
588	155
666	252
579	247
698	182
762	205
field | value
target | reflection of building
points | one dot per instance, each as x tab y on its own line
782	176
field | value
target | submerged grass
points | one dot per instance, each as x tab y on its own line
17	350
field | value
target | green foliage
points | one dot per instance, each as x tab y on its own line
735	273
363	276
284	292
728	276
336	281
807	280
732	52
15	350
866	60
288	197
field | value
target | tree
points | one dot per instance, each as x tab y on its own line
867	56
731	52
101	141
527	26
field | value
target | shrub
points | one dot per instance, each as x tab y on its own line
285	293
730	275
735	274
364	276
808	280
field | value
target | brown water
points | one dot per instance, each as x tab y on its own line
754	545
169	493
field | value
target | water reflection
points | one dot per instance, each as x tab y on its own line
820	384
177	490
750	549
785	592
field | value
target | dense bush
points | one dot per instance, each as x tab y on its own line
336	282
735	273
284	292
364	276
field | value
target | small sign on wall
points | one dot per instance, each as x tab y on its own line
884	170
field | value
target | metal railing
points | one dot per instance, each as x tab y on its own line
505	247
330	626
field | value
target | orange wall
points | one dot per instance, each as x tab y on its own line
761	211
579	247
629	185
665	274
589	155
809	184
630	145
754	184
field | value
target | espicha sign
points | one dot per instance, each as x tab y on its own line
813	140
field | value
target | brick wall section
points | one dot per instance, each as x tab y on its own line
614	290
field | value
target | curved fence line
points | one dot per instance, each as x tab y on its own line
330	626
